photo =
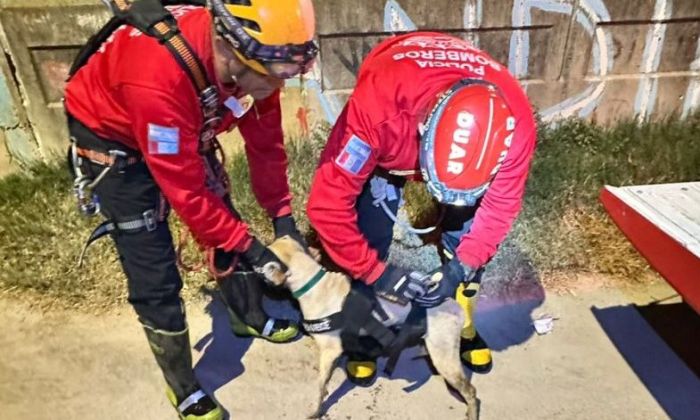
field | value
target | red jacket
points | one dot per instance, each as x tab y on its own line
394	87
134	91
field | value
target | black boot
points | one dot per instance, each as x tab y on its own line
172	352
242	293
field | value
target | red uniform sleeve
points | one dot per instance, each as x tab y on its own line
501	203
334	192
261	129
180	172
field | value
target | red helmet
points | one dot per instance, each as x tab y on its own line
464	141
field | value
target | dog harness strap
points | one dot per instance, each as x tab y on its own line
309	284
358	310
325	324
410	334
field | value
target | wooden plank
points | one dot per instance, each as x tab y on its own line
673	208
677	261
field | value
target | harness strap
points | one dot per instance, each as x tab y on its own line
410	334
328	323
106	159
358	310
147	220
182	51
151	18
356	320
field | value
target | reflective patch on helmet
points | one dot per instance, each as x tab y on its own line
163	140
354	155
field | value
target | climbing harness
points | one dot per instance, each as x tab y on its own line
153	19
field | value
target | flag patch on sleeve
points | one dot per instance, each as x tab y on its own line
354	155
163	140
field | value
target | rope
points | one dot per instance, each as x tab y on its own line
181	243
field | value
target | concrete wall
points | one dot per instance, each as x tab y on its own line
597	59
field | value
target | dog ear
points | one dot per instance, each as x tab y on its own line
284	248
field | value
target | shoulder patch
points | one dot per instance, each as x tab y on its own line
163	140
354	155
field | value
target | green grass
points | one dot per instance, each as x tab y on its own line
562	227
41	233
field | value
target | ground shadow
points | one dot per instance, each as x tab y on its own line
412	367
677	324
667	378
223	351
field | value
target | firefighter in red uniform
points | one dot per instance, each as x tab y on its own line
432	108
144	139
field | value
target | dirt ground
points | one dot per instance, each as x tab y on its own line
602	361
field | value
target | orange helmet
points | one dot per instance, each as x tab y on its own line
464	141
272	37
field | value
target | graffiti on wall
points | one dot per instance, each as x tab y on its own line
358	50
648	86
691	101
588	14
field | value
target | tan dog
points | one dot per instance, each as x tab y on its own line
327	297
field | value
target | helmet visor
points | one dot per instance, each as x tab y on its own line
281	61
288	69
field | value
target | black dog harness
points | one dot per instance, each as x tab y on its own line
360	326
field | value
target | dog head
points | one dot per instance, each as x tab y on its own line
299	264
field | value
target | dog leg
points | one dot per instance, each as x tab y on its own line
442	342
330	349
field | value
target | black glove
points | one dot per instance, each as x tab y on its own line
258	256
285	225
400	286
443	282
223	260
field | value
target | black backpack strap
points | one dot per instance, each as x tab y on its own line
153	19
